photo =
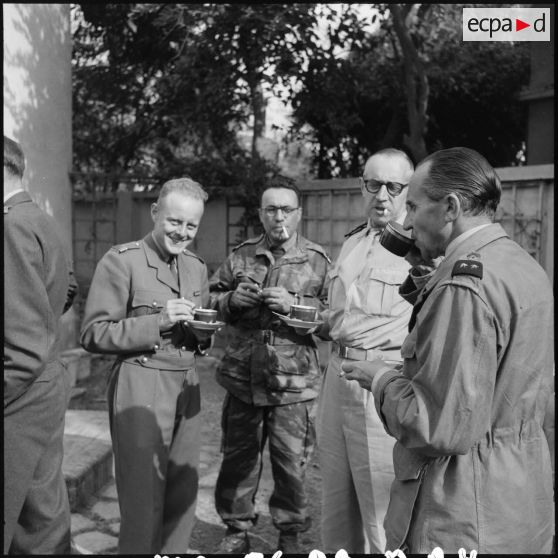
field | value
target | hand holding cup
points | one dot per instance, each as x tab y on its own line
175	310
278	299
206	315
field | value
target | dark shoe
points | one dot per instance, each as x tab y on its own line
288	543
234	542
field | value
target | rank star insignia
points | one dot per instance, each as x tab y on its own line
467	267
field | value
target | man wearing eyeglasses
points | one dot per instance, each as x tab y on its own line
366	319
271	372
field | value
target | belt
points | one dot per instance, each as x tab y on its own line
353	353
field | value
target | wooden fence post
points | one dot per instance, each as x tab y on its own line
124	219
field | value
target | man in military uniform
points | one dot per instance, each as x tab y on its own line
37	291
140	301
472	464
366	319
270	372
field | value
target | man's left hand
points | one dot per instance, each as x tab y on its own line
362	371
201	335
278	299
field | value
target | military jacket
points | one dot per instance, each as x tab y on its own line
471	462
36	288
266	362
130	287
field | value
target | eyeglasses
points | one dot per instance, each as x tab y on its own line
374	186
272	210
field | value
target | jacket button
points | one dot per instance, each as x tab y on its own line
182	348
156	346
154	303
144	359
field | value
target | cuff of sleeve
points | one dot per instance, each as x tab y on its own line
379	375
382	378
225	306
420	280
154	332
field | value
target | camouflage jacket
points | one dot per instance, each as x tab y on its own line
266	362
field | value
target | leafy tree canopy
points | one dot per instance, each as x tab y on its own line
163	89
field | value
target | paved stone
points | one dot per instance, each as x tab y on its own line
94	542
90	424
109	491
106	510
209	480
81	523
88	461
96	525
114	527
205	507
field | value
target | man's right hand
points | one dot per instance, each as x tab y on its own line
415	258
175	310
246	295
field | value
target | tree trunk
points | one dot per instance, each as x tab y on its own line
258	110
416	83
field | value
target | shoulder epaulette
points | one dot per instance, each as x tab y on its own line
319	249
188	253
121	248
248	241
356	229
469	266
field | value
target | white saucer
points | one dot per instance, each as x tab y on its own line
295	322
207	326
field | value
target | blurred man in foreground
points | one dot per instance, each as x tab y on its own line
37	291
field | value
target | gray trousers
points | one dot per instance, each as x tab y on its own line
36	508
155	429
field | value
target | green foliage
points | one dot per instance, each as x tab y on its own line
349	107
163	89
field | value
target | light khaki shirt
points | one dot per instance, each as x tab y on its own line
365	308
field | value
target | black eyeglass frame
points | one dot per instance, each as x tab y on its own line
393	188
271	210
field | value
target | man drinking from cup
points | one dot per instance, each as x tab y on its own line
270	372
468	405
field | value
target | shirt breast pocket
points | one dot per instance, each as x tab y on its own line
145	302
331	280
383	291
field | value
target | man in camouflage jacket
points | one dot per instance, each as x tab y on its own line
270	372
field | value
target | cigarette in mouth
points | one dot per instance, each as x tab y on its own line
285	232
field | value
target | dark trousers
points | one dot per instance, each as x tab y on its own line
155	430
36	508
291	434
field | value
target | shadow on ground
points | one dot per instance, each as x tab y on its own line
209	529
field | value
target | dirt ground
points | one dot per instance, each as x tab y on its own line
208	529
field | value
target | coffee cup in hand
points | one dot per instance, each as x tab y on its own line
205	315
396	239
304	313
